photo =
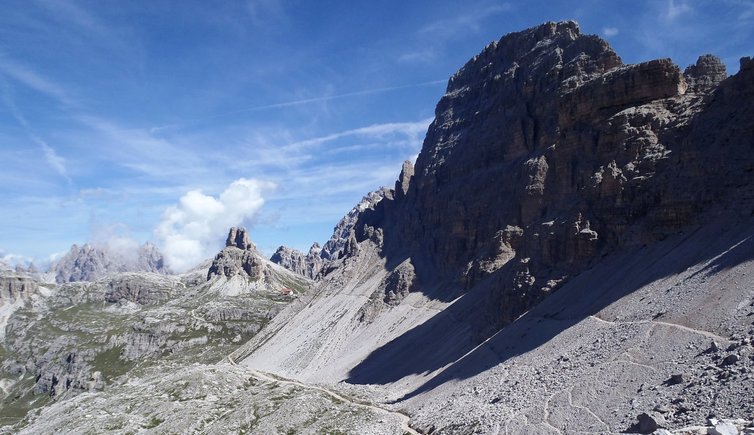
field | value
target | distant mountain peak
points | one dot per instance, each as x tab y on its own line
90	262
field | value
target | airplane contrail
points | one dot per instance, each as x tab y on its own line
302	102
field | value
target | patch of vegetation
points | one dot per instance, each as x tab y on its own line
189	334
153	422
110	364
21	400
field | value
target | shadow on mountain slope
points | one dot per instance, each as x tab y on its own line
446	341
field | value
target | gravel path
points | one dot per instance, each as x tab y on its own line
707	334
404	419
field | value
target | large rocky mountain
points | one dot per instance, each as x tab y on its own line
91	262
552	172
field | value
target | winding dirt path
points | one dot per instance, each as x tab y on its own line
707	334
404	419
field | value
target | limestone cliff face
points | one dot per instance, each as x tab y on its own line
16	287
307	265
319	260
547	152
342	235
141	288
705	75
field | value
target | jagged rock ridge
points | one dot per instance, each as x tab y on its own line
91	262
308	264
705	75
319	258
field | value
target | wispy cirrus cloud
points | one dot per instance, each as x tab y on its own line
610	31
267	12
682	30
33	80
469	21
10	103
675	9
53	159
747	12
410	129
71	12
40	84
298	102
140	150
84	31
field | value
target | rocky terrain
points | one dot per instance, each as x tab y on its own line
215	399
571	253
64	340
91	262
318	259
307	265
569	218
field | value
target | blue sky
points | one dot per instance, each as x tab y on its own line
168	121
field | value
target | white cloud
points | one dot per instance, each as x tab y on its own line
11	260
676	9
610	31
116	241
191	230
52	158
